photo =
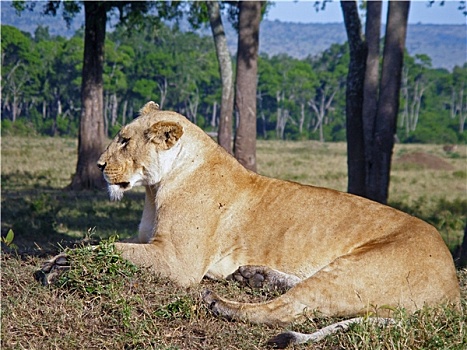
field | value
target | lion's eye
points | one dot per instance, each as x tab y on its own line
124	141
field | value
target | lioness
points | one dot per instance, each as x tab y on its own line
206	215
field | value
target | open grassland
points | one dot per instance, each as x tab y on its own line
121	307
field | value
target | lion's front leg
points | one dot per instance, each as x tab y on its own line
143	255
264	277
183	269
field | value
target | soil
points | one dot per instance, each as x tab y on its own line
425	160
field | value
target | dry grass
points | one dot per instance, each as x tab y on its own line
325	165
37	162
137	310
141	311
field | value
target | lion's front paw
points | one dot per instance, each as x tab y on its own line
52	269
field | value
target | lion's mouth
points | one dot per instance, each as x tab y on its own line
123	185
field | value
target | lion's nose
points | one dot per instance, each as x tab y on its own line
101	165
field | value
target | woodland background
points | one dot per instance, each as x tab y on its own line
300	96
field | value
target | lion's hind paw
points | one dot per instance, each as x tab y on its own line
263	277
216	305
250	275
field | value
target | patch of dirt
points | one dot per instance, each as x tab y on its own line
425	160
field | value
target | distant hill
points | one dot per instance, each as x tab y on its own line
445	44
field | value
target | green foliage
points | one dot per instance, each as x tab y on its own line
20	127
96	270
448	217
181	307
8	240
145	60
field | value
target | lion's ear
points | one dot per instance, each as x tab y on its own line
164	134
149	107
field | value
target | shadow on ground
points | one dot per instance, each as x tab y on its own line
45	218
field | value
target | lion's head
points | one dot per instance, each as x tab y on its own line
141	153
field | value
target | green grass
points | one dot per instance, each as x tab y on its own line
105	303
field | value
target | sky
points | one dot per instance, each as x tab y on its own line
303	11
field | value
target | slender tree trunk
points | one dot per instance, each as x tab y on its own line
214	114
113	109
420	90
262	116
106	113
224	135
354	99
163	89
14	108
302	118
44	109
91	139
321	133
245	95
125	104
388	103
462	111
405	120
279	114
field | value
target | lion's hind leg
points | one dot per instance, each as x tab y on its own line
365	281
264	277
330	291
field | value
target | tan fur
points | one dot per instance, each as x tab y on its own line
205	215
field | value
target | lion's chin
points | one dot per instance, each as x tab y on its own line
116	192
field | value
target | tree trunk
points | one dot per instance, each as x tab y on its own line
302	118
214	114
279	115
164	90
462	253
113	109
405	120
14	108
91	139
462	111
354	99
388	104
262	116
125	104
247	68
224	136
371	84
44	109
106	113
378	115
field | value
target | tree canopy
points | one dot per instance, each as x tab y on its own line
297	98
